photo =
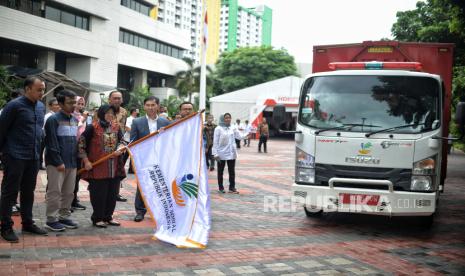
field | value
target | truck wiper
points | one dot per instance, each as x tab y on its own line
343	127
392	128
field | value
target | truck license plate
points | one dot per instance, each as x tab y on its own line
359	199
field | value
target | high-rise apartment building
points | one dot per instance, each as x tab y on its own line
241	27
229	25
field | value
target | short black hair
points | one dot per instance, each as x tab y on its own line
61	97
186	102
152	98
227	114
52	101
30	81
113	92
132	110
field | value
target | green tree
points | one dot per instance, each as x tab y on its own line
438	21
172	104
137	97
249	66
188	81
7	85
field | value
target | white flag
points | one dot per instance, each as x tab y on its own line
172	177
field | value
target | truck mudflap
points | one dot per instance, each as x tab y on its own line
371	201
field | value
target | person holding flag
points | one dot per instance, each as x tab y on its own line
101	138
142	127
224	151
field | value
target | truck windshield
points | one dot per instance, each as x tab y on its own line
371	103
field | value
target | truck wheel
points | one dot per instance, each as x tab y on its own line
311	212
427	221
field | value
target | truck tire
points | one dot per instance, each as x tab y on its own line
312	213
427	221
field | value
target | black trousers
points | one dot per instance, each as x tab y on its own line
103	198
238	143
19	175
209	157
76	187
231	172
139	204
262	140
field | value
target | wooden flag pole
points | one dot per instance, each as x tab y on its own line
110	155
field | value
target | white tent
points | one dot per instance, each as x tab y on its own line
248	103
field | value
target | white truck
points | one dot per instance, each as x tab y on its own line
370	139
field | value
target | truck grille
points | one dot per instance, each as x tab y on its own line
401	178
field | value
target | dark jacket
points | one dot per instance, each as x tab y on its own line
61	140
21	125
140	127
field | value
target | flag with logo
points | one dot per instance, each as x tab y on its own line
172	177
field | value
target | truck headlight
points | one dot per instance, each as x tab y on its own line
304	167
421	183
422	175
425	167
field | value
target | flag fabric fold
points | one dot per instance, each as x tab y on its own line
172	176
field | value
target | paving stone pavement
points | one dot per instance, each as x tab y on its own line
249	238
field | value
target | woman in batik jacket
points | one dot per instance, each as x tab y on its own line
101	138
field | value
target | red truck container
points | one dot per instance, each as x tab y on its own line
435	58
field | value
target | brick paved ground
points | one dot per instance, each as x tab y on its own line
247	240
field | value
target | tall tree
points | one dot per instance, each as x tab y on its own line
249	66
185	80
188	81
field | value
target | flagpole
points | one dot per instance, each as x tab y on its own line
203	59
110	155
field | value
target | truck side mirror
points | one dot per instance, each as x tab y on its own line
279	115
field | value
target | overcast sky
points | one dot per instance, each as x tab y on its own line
300	24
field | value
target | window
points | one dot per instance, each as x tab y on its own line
150	44
137	6
67	17
52	14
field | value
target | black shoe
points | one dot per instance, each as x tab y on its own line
78	206
120	198
221	191
212	169
139	218
34	229
234	191
9	235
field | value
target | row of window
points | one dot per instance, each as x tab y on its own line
150	44
137	6
55	13
66	17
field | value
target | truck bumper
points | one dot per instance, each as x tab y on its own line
371	201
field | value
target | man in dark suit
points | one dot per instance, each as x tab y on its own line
141	127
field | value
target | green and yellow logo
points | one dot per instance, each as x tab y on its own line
184	185
365	148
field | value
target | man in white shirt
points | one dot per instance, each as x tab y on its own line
247	129
142	127
134	112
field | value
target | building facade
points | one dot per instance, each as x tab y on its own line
242	27
104	45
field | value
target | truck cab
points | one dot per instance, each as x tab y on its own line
368	141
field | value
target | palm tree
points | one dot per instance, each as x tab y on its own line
188	81
185	80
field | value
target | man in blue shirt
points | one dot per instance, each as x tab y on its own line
61	131
21	125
